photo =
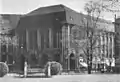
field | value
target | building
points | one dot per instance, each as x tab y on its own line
117	32
117	43
59	32
59	27
49	28
105	42
8	23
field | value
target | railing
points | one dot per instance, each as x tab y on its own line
28	70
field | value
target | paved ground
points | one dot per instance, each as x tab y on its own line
64	78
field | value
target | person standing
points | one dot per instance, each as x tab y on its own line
22	61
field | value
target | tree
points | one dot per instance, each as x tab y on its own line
6	34
94	10
109	5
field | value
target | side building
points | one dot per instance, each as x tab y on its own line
117	43
8	23
106	51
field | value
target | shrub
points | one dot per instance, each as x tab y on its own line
3	69
56	68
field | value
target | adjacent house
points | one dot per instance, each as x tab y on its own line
8	23
117	42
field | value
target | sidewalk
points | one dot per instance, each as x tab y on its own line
66	78
63	73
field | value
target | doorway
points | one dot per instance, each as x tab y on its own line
72	62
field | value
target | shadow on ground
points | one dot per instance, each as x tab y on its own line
36	76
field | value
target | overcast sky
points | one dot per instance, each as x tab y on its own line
25	6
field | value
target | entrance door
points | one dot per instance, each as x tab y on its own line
72	62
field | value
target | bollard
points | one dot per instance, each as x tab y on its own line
49	69
25	69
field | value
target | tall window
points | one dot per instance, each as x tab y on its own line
45	39
32	39
3	48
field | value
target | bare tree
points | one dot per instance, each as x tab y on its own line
6	31
110	5
88	45
94	10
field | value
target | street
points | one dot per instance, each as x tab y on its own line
66	78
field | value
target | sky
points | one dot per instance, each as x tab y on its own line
0	5
25	6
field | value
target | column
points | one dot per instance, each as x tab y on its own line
97	44
101	44
63	45
68	45
0	49
105	46
97	53
99	49
108	45
112	45
39	39
27	40
50	38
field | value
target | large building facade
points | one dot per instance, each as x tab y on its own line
61	32
59	27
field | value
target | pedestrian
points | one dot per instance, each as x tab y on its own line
22	61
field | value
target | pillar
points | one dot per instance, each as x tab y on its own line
27	40
68	28
107	42
0	50
101	43
109	45
62	56
38	39
50	38
112	45
105	46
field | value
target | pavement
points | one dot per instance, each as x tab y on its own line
63	78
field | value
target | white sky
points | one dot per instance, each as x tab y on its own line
0	5
25	6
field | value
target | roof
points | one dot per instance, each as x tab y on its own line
49	9
71	16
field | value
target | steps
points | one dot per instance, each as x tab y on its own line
35	70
